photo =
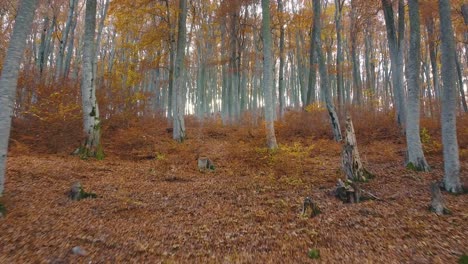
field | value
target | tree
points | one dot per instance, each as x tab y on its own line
281	64
9	78
449	101
267	76
91	121
178	92
324	80
416	159
395	44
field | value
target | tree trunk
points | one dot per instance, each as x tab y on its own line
91	121
416	159
179	96
396	56
64	41
357	83
339	52
9	77
281	64
267	76
449	102
324	80
351	161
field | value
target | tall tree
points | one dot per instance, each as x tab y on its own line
281	64
9	77
267	76
91	121
339	51
324	79
395	44
449	101
178	93
416	157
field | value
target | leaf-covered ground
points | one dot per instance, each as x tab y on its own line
154	206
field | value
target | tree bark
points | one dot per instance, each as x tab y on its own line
179	96
395	44
449	102
267	76
324	80
9	77
351	161
281	64
416	159
91	121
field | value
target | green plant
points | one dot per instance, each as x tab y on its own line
313	253
463	259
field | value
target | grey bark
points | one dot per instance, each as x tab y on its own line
9	77
91	121
339	52
312	67
178	95
415	159
281	63
396	48
460	83
64	41
449	102
324	79
357	82
433	55
267	76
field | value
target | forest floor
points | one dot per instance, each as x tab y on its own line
154	206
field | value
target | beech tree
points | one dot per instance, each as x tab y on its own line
449	101
91	120
9	77
267	76
416	159
178	96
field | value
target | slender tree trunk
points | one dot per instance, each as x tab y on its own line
267	76
339	51
91	121
312	68
64	41
179	96
433	55
281	64
9	77
357	83
324	80
396	56
449	125
460	83
416	159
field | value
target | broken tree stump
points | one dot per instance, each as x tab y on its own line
77	193
349	192
205	164
309	208
437	201
351	161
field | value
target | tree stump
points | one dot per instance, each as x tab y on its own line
351	161
77	193
205	164
309	208
349	192
437	201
